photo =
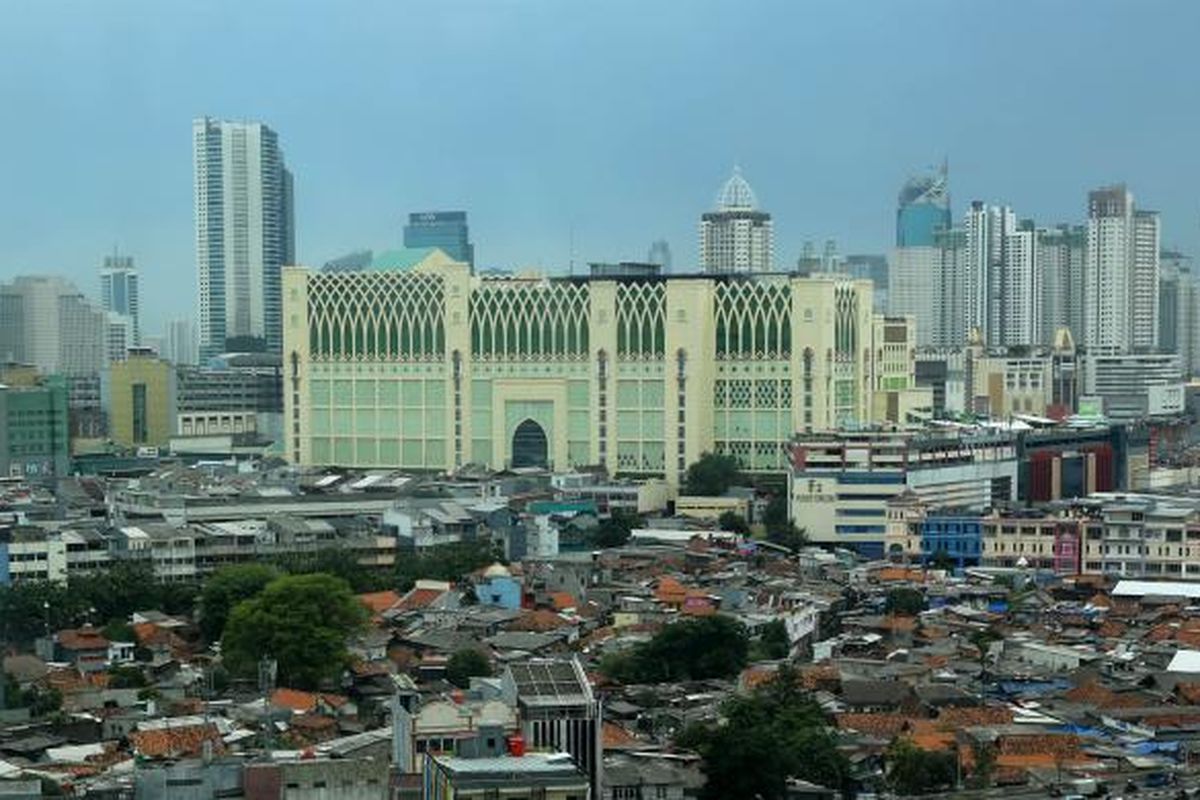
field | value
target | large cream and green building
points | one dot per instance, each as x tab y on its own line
422	365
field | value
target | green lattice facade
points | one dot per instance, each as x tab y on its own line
434	368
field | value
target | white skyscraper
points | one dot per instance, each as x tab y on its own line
737	237
1061	254
180	345
1121	273
1022	298
120	336
986	227
119	293
1144	279
61	332
244	233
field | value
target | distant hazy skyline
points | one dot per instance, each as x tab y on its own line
605	124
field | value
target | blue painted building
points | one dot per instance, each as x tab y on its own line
5	578
498	588
959	536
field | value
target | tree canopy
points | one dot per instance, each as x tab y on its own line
28	608
711	476
466	664
445	562
339	562
906	601
912	770
733	523
692	649
780	731
616	529
225	589
301	621
772	643
780	528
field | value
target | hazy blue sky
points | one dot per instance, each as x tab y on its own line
617	120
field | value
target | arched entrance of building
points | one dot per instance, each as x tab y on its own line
529	446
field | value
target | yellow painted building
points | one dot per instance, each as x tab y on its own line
427	366
141	401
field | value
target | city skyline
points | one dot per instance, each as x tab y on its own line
538	183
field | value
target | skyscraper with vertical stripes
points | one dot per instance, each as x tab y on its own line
244	234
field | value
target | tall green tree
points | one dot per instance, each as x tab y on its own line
447	562
904	600
337	561
300	621
711	476
776	513
225	589
129	586
616	529
772	643
466	664
733	523
912	770
30	609
780	731
691	649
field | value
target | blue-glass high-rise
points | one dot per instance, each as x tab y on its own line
446	230
923	209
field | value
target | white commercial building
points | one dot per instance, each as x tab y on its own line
1134	385
737	237
119	293
244	232
915	275
1121	276
840	484
1062	252
1020	322
180	348
51	325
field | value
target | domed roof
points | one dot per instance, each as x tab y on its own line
496	571
736	194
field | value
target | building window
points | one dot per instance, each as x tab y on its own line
141	425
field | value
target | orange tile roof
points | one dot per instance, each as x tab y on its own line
85	638
562	601
539	621
670	591
820	676
1052	745
1094	694
900	574
885	726
417	599
187	740
305	702
615	737
378	602
952	717
932	739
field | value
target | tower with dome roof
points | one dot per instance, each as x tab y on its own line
737	236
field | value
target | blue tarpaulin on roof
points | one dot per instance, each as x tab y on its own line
1080	730
1033	688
